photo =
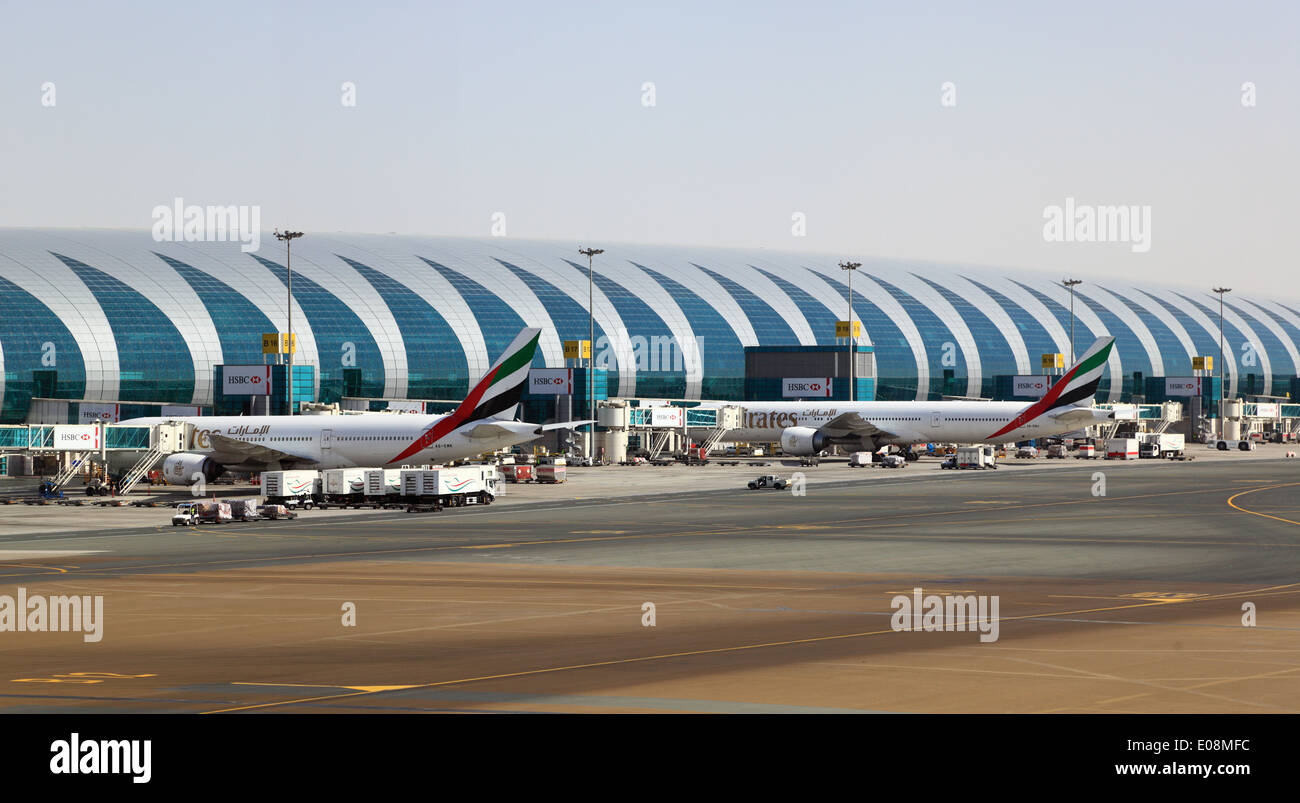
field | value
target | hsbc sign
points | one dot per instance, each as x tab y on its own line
91	412
1034	386
815	387
246	380
550	381
667	416
76	438
1182	386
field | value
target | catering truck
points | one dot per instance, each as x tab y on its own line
344	486
383	485
436	488
1161	444
299	488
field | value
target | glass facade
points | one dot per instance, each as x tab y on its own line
945	380
996	357
896	374
1240	348
1207	343
436	367
570	318
720	349
41	358
1132	353
240	324
820	319
109	316
153	361
496	319
1172	353
771	328
349	358
1129	347
1292	332
648	334
1272	346
1037	341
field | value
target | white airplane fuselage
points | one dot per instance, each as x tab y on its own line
344	441
909	422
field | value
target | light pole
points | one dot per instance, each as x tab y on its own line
851	267
287	237
1070	284
590	254
1222	390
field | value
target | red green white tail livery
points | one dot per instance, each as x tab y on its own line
809	427
1079	383
481	423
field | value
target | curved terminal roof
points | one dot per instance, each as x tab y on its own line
122	317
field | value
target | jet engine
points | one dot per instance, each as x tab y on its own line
801	441
180	469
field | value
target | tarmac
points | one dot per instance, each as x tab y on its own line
1121	586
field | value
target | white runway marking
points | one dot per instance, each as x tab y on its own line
42	554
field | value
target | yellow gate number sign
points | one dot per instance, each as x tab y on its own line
572	349
278	343
842	328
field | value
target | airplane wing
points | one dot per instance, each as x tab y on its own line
565	425
1079	417
852	424
237	452
495	429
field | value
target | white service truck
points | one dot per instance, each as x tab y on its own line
976	457
383	485
1161	445
344	486
297	488
436	488
1122	449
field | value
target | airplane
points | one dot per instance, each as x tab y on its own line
807	428
482	423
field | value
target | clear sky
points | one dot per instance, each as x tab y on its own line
761	111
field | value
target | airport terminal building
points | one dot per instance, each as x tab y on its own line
115	317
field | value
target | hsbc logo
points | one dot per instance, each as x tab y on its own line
804	387
1032	385
550	381
76	438
247	380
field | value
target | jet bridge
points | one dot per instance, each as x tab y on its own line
664	427
82	445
